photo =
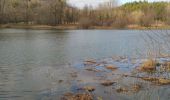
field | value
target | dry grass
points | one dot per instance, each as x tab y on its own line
149	65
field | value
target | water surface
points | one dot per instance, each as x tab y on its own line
32	61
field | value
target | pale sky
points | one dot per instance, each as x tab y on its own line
82	3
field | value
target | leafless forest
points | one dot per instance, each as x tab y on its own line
59	12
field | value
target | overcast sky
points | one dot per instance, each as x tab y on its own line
81	3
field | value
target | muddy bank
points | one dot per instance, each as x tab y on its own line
41	27
76	26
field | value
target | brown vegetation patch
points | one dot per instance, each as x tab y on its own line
89	88
92	69
150	79
136	87
122	90
162	81
159	81
149	65
83	96
166	66
90	62
111	67
107	83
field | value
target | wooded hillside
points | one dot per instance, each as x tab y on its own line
57	12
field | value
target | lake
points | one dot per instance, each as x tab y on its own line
32	61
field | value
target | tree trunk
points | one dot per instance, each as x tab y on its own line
2	6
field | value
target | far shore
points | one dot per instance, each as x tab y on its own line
75	27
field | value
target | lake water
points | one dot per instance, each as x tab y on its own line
31	61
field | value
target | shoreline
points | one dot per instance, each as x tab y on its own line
76	27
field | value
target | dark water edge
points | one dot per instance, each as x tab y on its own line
77	27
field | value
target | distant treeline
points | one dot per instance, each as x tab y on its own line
149	12
57	12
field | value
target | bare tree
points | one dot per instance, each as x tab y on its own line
148	17
57	10
2	6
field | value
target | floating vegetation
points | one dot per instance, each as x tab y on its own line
125	79
89	88
148	66
107	83
111	67
78	96
90	62
122	90
166	66
163	81
159	81
136	87
92	69
150	79
130	89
